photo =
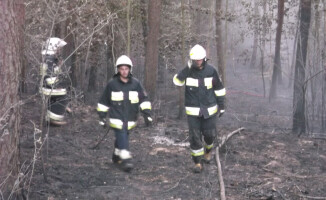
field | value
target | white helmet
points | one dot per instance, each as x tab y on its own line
52	45
197	52
123	60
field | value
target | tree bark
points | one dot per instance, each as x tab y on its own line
299	121
219	41
11	38
183	57
324	77
277	72
128	28
256	34
151	51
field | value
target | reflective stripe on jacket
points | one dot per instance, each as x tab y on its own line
204	90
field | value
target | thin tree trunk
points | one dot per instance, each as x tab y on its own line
219	41
226	33
263	43
256	34
128	27
299	120
151	52
181	89
277	72
11	38
315	60
324	77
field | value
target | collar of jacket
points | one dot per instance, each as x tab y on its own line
197	69
117	76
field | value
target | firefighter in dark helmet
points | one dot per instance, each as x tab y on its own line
204	100
122	98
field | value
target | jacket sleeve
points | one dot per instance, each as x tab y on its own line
145	105
180	78
219	91
104	103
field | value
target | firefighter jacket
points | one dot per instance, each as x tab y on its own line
53	82
204	93
122	101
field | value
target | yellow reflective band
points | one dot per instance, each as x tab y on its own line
208	82
51	80
220	92
133	96
177	81
192	111
192	82
117	96
54	116
209	146
146	105
54	92
116	123
131	125
102	108
198	152
212	110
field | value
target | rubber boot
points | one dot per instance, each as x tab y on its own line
57	122
208	156
126	165
198	166
116	159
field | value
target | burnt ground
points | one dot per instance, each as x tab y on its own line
265	161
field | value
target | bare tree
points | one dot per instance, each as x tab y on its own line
277	74
11	34
151	52
256	34
219	40
183	58
299	120
324	78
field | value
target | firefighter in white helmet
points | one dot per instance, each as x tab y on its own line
204	99
122	98
54	81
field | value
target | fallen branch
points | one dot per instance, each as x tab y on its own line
217	158
310	197
228	136
220	176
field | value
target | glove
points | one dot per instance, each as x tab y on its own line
189	63
148	120
221	112
102	122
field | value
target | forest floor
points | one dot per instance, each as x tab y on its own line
265	161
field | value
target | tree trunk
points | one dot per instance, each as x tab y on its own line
151	52
128	28
181	89
299	121
263	43
256	34
219	41
324	77
11	38
277	72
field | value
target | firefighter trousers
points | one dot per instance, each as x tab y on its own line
121	139
199	128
